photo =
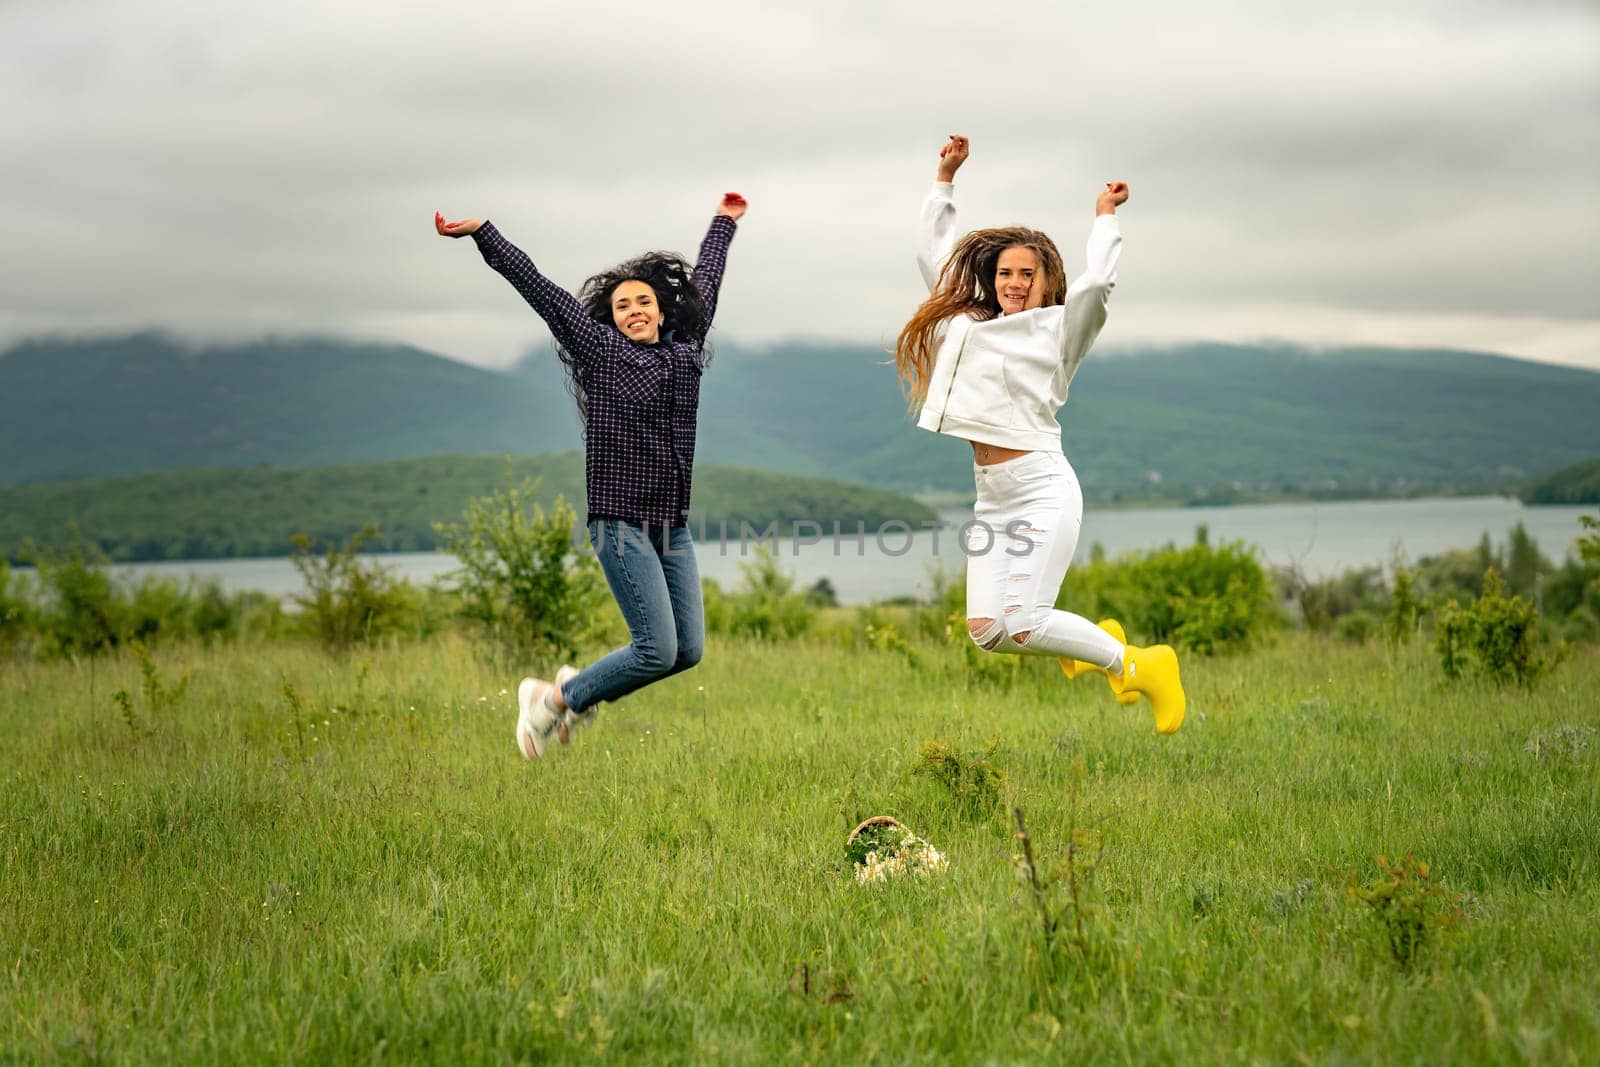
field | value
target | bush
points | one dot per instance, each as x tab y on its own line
349	600
1571	594
78	614
1325	603
1358	626
522	579
247	615
1456	574
946	607
718	607
970	779
1525	565
766	605
154	608
15	617
1404	614
1408	905
1207	598
1496	635
74	607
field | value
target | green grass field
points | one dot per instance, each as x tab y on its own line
379	877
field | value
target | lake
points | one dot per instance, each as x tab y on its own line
1320	538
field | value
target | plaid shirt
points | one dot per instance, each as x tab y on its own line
642	399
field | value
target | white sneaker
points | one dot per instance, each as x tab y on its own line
535	723
569	722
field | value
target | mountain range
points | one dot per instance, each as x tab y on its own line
1198	416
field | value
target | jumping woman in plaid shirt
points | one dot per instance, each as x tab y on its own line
633	345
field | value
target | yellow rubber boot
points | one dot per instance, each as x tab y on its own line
1072	668
1153	671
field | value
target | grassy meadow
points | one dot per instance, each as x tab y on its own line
301	858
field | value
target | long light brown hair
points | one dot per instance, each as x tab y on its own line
966	287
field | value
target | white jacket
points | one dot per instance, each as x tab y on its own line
1001	381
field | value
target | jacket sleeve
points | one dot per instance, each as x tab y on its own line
574	330
938	233
1087	296
712	261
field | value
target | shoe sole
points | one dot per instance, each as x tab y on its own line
565	723
527	693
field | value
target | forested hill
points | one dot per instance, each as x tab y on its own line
147	402
1577	484
254	511
1196	416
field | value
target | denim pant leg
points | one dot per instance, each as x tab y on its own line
633	570
682	572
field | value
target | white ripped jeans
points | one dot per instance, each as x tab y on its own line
1019	546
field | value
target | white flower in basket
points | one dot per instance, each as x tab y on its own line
882	848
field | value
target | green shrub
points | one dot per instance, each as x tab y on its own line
254	616
970	779
886	637
1358	626
822	593
1496	635
160	697
1326	602
948	599
1456	574
78	616
522	578
1404	614
718	607
1207	598
1524	564
348	599
74	607
154	608
1589	544
766	605
1571	594
1408	904
15	614
212	616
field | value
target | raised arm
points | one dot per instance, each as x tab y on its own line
938	235
1089	293
713	258
574	330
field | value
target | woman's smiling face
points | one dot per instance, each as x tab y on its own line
636	312
1019	280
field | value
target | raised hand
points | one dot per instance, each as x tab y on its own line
733	205
952	155
463	228
1113	194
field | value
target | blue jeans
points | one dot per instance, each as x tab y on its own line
653	574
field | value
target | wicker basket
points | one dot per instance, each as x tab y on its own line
876	820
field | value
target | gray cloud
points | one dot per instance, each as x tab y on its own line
1314	172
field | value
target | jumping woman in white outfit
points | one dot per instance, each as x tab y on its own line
988	358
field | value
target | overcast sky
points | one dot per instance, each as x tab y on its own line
1414	173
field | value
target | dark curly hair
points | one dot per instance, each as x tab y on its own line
683	308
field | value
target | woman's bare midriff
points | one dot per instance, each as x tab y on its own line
989	455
